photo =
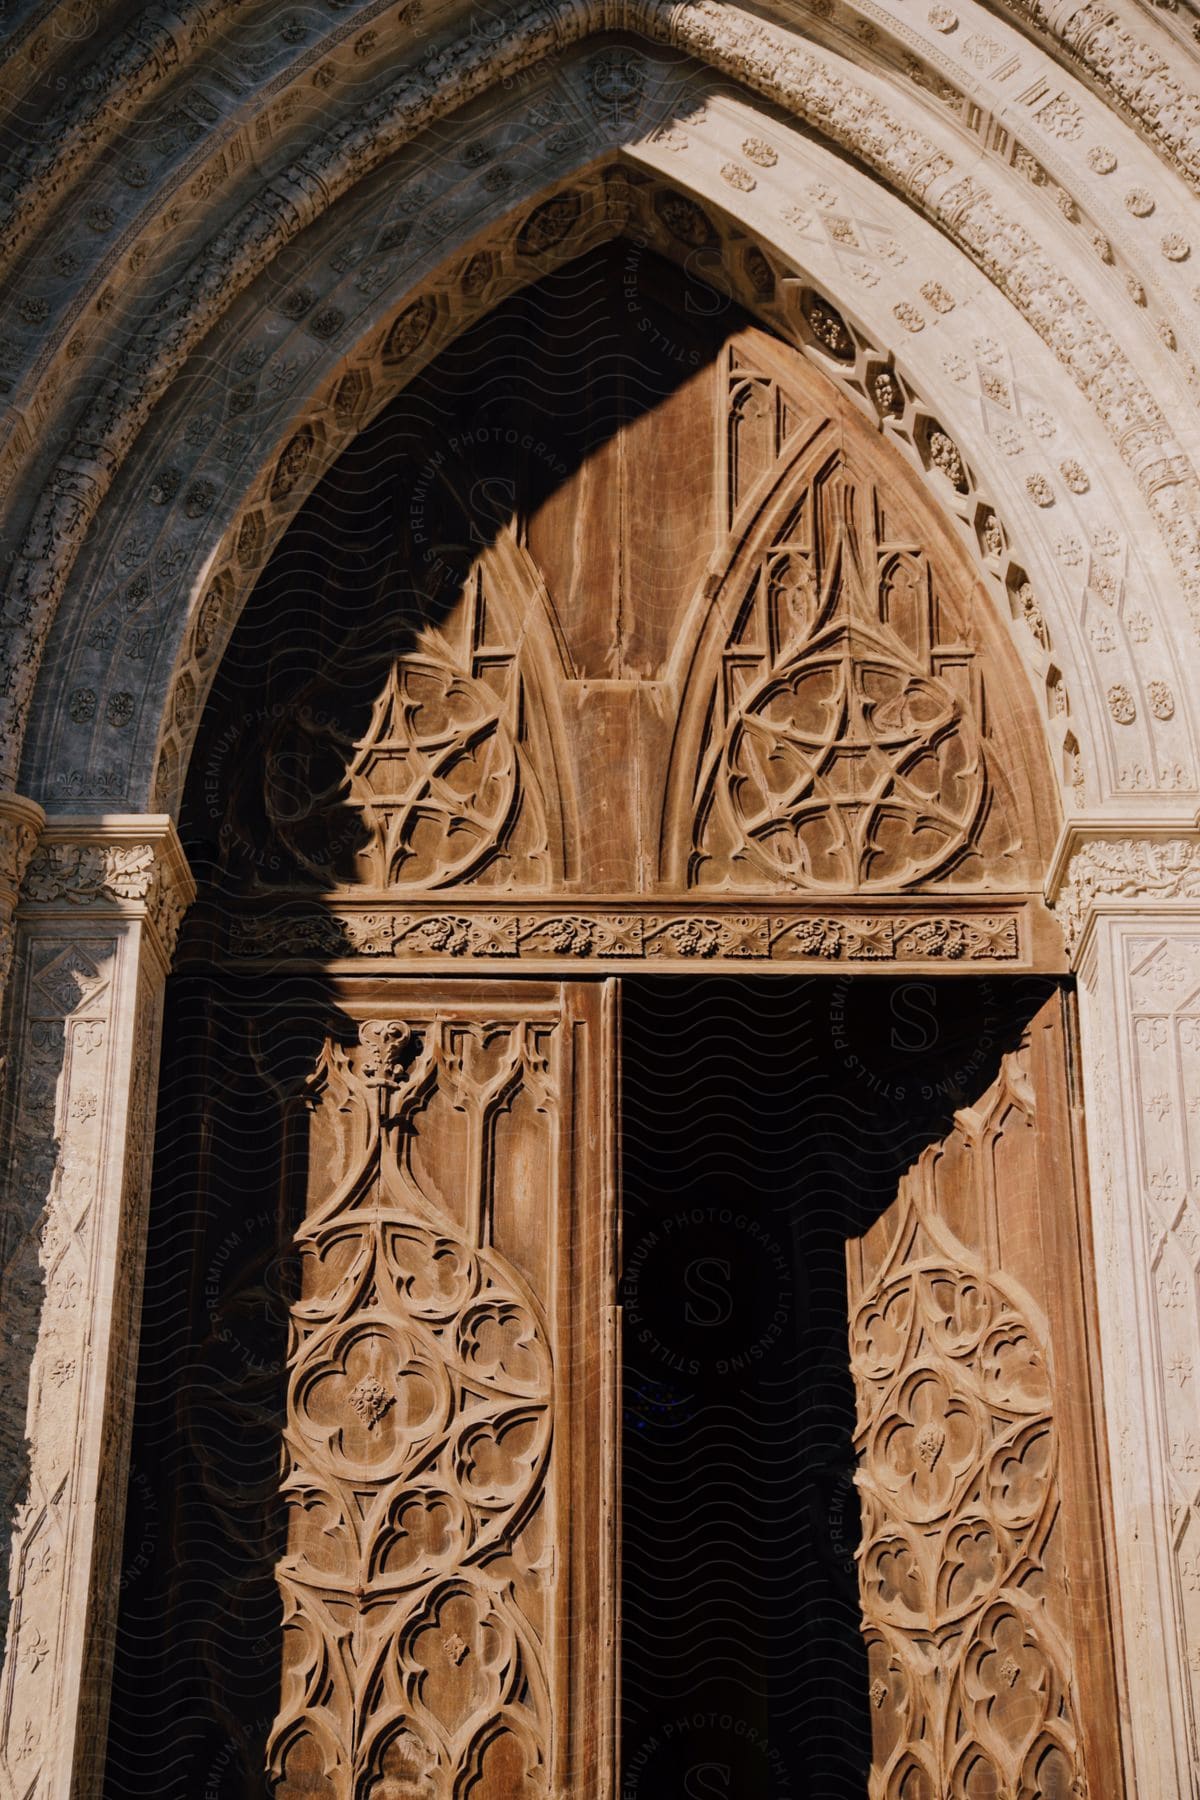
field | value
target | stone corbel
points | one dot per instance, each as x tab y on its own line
1115	867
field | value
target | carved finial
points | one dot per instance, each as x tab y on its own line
389	1046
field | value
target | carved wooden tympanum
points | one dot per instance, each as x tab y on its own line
655	656
840	755
445	1573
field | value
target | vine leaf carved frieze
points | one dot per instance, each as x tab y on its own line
122	874
1105	870
636	935
416	1585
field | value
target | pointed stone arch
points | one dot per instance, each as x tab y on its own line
1039	175
1148	750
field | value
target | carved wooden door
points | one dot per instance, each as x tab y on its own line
640	646
448	1584
981	1565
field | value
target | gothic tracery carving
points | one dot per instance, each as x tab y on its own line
416	1585
844	749
965	1613
437	789
435	779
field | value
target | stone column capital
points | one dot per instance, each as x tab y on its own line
1116	866
21	823
123	864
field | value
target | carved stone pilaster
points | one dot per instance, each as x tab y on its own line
1128	896
99	908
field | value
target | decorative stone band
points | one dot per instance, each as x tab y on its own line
620	933
21	822
1115	868
130	864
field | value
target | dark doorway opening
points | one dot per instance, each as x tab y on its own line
763	1125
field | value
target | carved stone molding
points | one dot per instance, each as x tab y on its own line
1140	1026
131	865
1119	869
21	822
98	912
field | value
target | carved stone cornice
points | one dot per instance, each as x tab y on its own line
1117	867
131	864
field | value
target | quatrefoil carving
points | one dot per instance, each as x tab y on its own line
850	768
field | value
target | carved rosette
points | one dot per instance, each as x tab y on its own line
964	1608
436	781
439	789
415	1585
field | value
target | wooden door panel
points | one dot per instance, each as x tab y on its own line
444	1466
981	1564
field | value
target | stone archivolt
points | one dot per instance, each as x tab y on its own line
848	107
